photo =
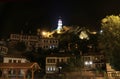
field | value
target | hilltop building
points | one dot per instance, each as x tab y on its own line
34	40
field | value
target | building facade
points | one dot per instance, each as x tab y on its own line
94	61
34	40
111	72
53	60
14	59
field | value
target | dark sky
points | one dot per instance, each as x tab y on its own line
15	16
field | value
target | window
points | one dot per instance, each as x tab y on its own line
19	61
51	60
48	69
56	41
14	61
53	68
87	58
46	46
48	60
10	61
57	60
62	60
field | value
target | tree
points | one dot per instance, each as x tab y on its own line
110	39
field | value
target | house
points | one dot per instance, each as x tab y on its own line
3	47
34	40
17	66
94	61
111	72
14	59
53	59
3	50
48	43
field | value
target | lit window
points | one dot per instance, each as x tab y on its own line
53	68
48	69
50	47
90	62
86	63
53	46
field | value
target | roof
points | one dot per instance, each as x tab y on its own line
19	65
14	56
93	54
60	55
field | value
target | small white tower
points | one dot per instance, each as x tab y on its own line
59	28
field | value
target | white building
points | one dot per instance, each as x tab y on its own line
34	40
93	61
17	66
112	73
48	43
14	59
52	60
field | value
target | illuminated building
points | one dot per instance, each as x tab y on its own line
17	66
14	59
59	28
44	42
52	61
93	61
111	72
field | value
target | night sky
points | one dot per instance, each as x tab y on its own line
29	15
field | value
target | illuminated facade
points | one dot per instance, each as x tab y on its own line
111	72
93	61
14	59
34	40
16	66
52	61
47	43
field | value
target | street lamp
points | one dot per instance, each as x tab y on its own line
44	33
60	69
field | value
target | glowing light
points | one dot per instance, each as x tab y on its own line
59	22
47	34
86	63
101	31
44	33
51	68
90	62
83	35
59	28
48	69
54	69
93	32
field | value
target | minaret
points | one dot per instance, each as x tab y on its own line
59	28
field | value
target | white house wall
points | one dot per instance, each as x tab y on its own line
6	60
